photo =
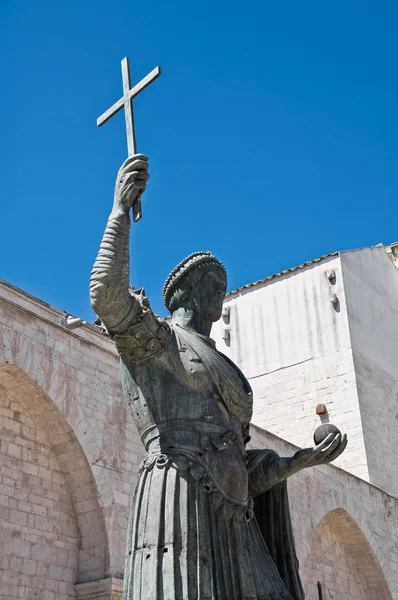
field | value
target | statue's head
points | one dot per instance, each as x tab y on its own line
198	282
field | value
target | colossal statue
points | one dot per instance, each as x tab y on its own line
193	534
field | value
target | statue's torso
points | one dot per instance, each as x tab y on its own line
181	412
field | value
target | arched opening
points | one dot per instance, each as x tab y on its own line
341	564
52	531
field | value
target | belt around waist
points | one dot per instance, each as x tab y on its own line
190	427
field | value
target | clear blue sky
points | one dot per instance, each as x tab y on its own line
272	135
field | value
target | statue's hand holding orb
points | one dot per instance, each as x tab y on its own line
330	443
130	182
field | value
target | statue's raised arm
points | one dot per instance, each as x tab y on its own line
109	284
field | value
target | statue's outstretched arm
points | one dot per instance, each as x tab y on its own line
267	469
109	283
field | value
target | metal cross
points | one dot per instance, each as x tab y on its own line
127	103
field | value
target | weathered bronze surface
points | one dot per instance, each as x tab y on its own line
193	533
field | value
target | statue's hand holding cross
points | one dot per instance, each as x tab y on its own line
133	174
130	185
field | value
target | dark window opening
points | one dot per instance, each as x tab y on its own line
319	587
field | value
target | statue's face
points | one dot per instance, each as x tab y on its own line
210	294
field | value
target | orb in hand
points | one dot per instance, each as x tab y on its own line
323	431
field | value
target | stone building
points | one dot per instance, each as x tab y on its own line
321	333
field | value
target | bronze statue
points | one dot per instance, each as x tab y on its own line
192	532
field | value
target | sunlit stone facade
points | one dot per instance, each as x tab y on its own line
320	334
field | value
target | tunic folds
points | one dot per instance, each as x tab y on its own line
180	546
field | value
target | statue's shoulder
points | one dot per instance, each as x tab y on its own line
147	337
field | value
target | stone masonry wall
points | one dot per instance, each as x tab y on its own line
62	388
341	562
38	536
69	384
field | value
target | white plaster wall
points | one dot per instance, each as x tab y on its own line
371	286
294	346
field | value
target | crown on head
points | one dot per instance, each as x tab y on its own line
191	262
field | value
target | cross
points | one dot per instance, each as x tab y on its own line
127	103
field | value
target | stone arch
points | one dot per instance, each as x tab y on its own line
79	372
342	560
34	418
334	499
